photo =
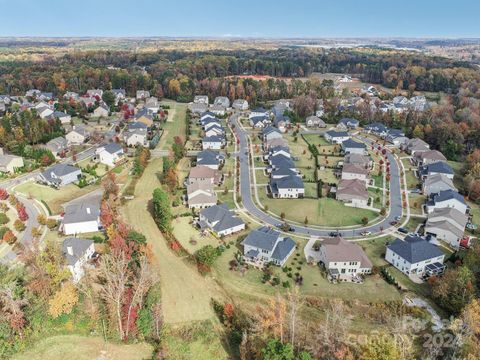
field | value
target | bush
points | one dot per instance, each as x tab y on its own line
19	225
3	230
4	219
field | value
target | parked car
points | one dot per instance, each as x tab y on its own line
335	234
366	233
415	191
398	218
393	223
403	230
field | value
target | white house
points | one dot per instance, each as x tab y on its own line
288	187
213	142
353	171
136	138
200	194
258	112
81	217
336	137
240	104
77	136
353	192
350	146
60	175
63	117
447	224
447	199
200	99
101	111
10	163
415	256
77	252
110	154
221	220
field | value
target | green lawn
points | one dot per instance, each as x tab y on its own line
375	249
416	201
413	223
412	180
185	232
324	211
329	160
311	190
327	176
175	127
376	195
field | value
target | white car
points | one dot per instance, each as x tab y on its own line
366	233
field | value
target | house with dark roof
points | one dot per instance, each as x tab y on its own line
336	137
277	150
57	145
447	199
220	220
81	217
281	122
348	123
270	132
287	187
344	260
134	126
63	117
415	256
215	142
396	137
279	161
59	175
265	245
240	104
210	158
110	154
258	112
77	252
439	167
376	128
437	182
350	146
259	122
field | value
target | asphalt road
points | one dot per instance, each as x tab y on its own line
252	208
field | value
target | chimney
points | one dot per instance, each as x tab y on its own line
70	250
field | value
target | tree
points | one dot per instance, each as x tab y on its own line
109	98
19	225
365	220
110	187
9	237
275	350
12	304
63	300
162	210
42	219
380	347
207	255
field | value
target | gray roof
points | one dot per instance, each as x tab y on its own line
208	157
59	170
214	138
436	167
79	247
378	127
225	217
262	238
281	160
287	182
353	144
138	125
448	195
349	122
112	148
82	211
283	249
414	249
334	133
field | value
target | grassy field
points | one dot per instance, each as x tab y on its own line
329	160
324	211
416	201
412	180
184	232
84	348
53	197
175	124
327	176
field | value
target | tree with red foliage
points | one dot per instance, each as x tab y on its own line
45	160
3	194
9	237
22	213
228	310
107	213
129	314
109	185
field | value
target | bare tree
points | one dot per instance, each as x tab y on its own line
12	307
294	303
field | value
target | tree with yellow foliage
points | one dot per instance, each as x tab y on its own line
63	300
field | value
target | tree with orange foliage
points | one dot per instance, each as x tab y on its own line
63	301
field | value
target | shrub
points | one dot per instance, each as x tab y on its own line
51	223
9	237
19	225
3	218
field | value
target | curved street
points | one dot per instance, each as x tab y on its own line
379	227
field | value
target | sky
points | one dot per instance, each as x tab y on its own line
245	18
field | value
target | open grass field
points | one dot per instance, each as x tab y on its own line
76	347
175	124
329	160
186	294
324	211
327	176
185	232
412	180
53	197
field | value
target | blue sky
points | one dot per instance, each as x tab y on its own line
253	18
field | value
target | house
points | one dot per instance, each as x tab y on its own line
200	99
119	94
214	130
240	104
283	172
259	122
357	159
415	256
336	137
415	145
288	187
204	174
396	137
350	146
198	108
218	110
32	93
101	111
258	112
210	158
88	101
344	79
110	154
44	112
344	260
200	194
437	182
314	121
281	122
142	94
77	252
46	96
60	175
280	161
270	133
209	123
152	105
428	157
81	217
215	142
136	138
222	101
70	95
348	123
353	192
353	171
447	224
144	117
206	115
446	199
96	93
377	129
10	163
273	142
221	220
277	150
439	167
57	145
265	245
77	136
63	117
137	126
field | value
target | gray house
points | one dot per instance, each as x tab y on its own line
221	220
60	175
437	182
265	245
57	145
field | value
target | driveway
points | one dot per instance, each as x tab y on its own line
252	208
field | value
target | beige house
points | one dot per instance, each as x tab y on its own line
353	192
9	163
200	194
204	174
101	111
353	171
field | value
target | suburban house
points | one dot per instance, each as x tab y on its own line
81	217
415	145
142	94
136	138
353	192
446	199
222	101
258	112
352	171
288	187
437	182
110	154
348	123
209	122
283	172
198	108
119	94
210	158
77	136
200	194
200	99
259	122
357	159
344	260
45	112
377	129
57	146
240	104
215	142
428	157
204	174
88	101
77	252
279	161
143	116
134	126
63	117
395	138
218	109
214	130
101	111
10	163
152	105
439	167
207	115
447	224
265	245
221	220
268	144
315	121
281	122
277	150
336	137
350	146
415	256
60	175
270	133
